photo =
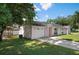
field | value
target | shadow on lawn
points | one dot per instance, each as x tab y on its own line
67	39
70	39
31	47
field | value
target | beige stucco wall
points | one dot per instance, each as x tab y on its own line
58	27
33	32
46	32
60	30
66	31
37	32
27	31
53	31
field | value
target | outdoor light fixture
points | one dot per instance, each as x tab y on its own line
24	19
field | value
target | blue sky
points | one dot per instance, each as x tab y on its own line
53	10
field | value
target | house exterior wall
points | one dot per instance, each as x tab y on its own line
53	30
66	29
49	30
27	31
58	27
16	32
59	31
37	32
46	32
21	31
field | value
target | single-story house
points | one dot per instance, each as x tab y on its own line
11	31
42	29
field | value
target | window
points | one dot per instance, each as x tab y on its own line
55	31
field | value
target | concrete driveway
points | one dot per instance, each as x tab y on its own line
64	43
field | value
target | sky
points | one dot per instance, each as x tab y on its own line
46	11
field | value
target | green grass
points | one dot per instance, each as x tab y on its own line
32	47
71	37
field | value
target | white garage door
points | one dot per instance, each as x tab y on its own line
37	32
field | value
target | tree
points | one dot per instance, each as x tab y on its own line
5	18
74	20
76	15
20	11
59	20
14	13
51	20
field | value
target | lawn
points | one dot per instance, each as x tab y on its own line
32	47
71	37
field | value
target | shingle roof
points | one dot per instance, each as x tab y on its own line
38	23
54	24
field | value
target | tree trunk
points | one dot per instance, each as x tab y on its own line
1	33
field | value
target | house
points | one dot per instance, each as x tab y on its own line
11	31
41	29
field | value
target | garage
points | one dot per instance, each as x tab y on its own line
37	32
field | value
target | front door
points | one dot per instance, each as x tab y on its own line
55	31
50	31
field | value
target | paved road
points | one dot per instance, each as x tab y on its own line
64	43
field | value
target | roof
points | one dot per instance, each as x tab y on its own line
54	24
38	23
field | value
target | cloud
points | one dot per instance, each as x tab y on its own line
45	6
35	18
36	8
46	16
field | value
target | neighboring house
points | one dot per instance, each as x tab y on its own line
11	31
41	29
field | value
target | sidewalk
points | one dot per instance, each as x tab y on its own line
64	43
